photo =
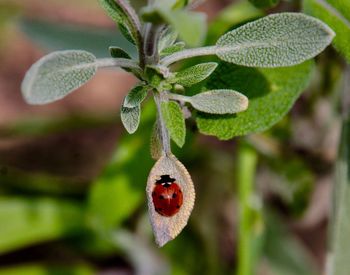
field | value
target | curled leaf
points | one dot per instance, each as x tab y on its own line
166	228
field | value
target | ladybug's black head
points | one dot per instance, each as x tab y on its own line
165	180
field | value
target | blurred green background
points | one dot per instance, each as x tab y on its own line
72	182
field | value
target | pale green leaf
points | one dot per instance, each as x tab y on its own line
282	39
220	102
194	74
172	49
156	141
136	96
26	222
123	14
174	121
130	118
56	75
167	39
337	15
271	94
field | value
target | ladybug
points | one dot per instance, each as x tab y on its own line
167	196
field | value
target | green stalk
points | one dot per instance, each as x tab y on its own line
247	162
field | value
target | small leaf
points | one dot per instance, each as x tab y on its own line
283	39
220	102
130	118
125	18
174	121
166	229
271	94
136	96
194	74
156	146
337	15
117	52
56	75
167	39
172	49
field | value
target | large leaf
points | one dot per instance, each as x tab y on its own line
130	118
339	253
271	94
282	39
337	15
29	221
174	121
56	75
63	36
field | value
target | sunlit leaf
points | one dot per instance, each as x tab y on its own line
282	39
130	118
136	96
56	75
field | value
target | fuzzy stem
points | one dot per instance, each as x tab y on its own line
178	97
164	134
210	50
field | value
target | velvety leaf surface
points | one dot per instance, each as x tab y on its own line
56	75
271	94
282	39
130	118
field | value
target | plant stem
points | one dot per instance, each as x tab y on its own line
247	162
209	50
164	134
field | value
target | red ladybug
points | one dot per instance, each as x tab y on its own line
167	196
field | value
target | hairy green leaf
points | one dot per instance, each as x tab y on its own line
130	118
167	39
30	221
56	75
172	49
271	94
123	14
282	39
117	52
136	96
174	121
194	74
219	102
337	15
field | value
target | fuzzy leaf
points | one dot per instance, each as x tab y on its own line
174	121
271	94
130	118
136	96
156	140
56	75
166	229
172	49
337	15
116	10
220	102
194	74
117	52
167	39
283	39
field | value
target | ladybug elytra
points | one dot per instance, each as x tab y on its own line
167	196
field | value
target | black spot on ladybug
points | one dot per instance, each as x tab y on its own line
177	206
165	179
161	197
174	195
